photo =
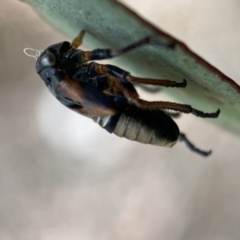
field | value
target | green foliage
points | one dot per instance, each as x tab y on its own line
108	23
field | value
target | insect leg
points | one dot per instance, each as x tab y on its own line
99	54
158	82
125	76
77	41
131	94
183	138
170	106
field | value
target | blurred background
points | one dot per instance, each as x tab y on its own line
63	177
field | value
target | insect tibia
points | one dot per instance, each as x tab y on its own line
183	138
155	41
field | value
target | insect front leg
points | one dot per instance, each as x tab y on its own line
77	41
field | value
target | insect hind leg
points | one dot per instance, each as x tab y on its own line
183	138
125	80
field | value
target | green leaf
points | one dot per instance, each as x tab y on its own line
110	24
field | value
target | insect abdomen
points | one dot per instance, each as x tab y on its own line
143	125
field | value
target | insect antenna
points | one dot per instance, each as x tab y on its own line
30	52
27	51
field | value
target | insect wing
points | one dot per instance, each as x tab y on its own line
92	99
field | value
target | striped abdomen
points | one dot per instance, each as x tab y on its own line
142	125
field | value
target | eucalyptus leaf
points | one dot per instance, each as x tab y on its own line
110	24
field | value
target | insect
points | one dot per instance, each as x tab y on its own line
106	93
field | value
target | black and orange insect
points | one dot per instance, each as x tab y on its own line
106	93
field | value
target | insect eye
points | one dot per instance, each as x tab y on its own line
48	59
